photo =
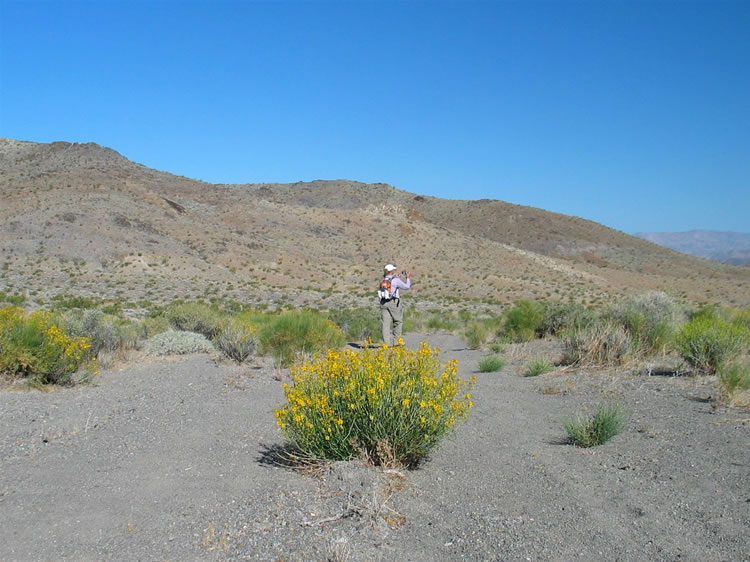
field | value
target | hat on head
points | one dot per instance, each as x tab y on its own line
390	267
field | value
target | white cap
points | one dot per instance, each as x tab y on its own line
390	267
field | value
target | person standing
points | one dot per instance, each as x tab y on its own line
391	309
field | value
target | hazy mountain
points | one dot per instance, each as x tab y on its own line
82	219
726	247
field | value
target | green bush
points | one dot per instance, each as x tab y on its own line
236	339
708	343
175	342
292	333
537	367
194	317
386	404
734	378
491	364
523	321
34	346
589	431
599	343
650	320
357	323
476	334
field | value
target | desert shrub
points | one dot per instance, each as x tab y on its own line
175	342
650	320
35	346
491	363
151	326
236	339
734	378
599	343
708	342
537	367
476	334
560	317
194	317
591	430
378	403
357	323
294	332
105	332
523	320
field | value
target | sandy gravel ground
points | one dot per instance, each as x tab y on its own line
175	459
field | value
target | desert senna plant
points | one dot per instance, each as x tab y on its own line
353	403
34	345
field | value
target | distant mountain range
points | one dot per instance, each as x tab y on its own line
725	247
81	219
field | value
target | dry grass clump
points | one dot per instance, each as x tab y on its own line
236	339
491	364
649	319
599	343
537	367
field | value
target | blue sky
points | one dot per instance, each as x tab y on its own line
632	114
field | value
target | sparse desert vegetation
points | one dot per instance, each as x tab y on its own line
191	300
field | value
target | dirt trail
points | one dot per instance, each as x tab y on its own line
173	460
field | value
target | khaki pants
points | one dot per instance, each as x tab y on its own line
392	318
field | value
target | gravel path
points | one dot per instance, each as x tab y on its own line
174	460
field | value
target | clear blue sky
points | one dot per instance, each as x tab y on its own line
632	114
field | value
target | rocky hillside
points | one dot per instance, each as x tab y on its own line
82	219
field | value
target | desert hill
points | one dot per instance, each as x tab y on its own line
81	219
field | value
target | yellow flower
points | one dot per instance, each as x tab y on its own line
405	402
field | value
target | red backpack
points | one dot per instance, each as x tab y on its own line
384	291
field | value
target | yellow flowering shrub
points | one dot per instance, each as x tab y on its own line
347	403
33	345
